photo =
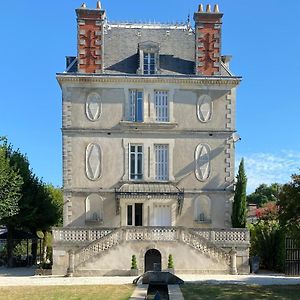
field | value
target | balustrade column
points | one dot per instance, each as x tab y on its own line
71	268
247	236
212	236
233	269
89	235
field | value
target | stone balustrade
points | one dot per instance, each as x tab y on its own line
151	233
224	236
79	234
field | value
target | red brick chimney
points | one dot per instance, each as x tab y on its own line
208	40
90	39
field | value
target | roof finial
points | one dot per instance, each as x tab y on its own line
208	10
98	4
200	9
83	5
216	8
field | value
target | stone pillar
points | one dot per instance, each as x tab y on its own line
208	41
233	269
90	39
71	268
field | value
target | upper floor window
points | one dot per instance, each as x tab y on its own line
161	106
136	162
161	162
136	106
149	63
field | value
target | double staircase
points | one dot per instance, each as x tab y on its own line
209	242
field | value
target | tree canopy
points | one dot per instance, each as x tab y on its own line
239	207
264	193
289	204
10	184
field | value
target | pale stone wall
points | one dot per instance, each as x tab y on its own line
109	134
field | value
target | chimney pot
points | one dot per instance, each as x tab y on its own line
216	8
200	9
98	5
208	10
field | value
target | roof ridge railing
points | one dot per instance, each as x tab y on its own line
151	23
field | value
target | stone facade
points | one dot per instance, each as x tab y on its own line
148	150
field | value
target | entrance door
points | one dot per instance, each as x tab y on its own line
152	260
162	215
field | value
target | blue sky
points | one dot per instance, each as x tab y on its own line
262	37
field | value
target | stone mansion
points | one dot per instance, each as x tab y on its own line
148	125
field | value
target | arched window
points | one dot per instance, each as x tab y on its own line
202	207
94	208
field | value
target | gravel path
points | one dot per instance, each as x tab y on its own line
25	276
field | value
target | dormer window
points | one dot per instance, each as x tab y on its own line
149	58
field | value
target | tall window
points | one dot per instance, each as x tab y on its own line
136	106
161	106
161	162
136	162
149	63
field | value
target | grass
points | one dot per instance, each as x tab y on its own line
75	292
240	292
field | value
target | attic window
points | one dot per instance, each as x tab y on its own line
149	58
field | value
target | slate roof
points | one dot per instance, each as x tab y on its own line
176	47
121	40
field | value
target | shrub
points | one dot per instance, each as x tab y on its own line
133	263
267	242
170	262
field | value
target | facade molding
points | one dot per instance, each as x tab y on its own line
107	78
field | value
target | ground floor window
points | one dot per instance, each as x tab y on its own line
162	215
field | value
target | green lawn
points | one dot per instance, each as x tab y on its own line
240	292
75	292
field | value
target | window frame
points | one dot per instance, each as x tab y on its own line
135	176
136	101
149	63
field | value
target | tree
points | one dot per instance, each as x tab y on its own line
56	196
239	207
264	193
289	205
10	184
37	208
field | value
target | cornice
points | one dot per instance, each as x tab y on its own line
179	79
212	132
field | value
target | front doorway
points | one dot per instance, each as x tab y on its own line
152	260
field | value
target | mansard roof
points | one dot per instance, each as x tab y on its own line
176	47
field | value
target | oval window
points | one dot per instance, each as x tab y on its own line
93	107
93	161
202	162
204	108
